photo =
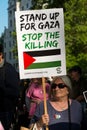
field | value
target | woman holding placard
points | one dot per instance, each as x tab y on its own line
63	112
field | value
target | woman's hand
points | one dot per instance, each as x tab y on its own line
45	119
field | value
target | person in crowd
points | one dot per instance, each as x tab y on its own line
23	87
79	84
34	95
21	111
9	91
63	113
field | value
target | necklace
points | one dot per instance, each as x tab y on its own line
63	107
60	106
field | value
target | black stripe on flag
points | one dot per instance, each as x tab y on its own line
44	52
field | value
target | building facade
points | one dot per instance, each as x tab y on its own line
9	40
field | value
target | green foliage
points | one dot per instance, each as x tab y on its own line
38	4
14	49
19	0
76	33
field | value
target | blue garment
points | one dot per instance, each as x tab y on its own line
59	120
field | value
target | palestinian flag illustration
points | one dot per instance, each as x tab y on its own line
41	59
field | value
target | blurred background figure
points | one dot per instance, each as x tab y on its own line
21	116
79	83
9	91
34	94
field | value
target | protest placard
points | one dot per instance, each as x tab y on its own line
41	43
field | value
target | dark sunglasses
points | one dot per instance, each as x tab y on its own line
60	85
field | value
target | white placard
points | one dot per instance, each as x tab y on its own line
41	43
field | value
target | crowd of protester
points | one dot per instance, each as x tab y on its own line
70	87
21	101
